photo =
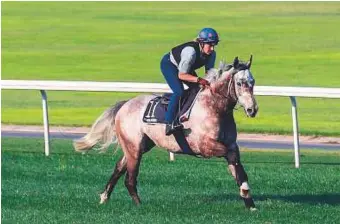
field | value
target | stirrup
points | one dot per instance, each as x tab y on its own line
172	128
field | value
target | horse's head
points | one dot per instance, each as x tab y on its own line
236	82
244	86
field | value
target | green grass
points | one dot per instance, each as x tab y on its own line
293	43
64	187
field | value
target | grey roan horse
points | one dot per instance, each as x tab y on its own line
210	131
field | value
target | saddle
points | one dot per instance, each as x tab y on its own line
158	106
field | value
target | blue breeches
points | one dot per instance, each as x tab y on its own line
170	73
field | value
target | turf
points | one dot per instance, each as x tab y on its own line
64	187
293	43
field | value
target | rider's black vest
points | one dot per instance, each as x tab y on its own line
201	59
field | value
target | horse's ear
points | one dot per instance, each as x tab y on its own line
220	71
236	62
221	67
250	61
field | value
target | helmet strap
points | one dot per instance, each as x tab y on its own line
201	47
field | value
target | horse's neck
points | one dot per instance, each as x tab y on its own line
220	99
225	87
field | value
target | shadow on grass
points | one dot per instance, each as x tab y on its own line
320	163
329	199
291	163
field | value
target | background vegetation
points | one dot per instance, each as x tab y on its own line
293	43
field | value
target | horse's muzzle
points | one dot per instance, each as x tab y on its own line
252	111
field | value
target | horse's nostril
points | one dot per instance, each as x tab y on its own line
249	110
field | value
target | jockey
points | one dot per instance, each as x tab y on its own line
179	65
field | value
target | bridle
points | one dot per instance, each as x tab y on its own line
229	94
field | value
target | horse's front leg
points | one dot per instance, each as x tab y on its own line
210	147
240	175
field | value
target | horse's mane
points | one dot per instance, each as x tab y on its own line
214	74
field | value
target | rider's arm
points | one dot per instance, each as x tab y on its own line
188	57
187	77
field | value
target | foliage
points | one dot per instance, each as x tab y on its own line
293	43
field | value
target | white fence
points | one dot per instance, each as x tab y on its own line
291	92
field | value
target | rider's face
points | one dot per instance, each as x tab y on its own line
208	48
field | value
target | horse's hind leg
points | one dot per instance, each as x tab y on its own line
240	175
119	170
131	178
133	163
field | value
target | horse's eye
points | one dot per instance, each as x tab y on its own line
238	83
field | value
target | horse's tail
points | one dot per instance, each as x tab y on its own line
102	132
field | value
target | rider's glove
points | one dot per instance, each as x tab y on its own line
203	82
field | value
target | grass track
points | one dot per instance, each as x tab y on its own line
64	187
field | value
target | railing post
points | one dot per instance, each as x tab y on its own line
296	132
171	156
46	123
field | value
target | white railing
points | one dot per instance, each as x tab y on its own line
291	92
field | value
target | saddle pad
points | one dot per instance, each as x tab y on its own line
157	107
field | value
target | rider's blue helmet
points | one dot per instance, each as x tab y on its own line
208	35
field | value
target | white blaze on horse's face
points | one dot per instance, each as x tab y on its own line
244	85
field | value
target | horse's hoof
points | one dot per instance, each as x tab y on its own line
103	198
253	209
136	200
249	203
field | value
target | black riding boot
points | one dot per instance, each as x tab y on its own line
173	127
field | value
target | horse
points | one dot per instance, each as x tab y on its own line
210	131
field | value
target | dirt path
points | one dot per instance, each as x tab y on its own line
241	136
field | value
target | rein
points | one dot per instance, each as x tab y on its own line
229	94
231	81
